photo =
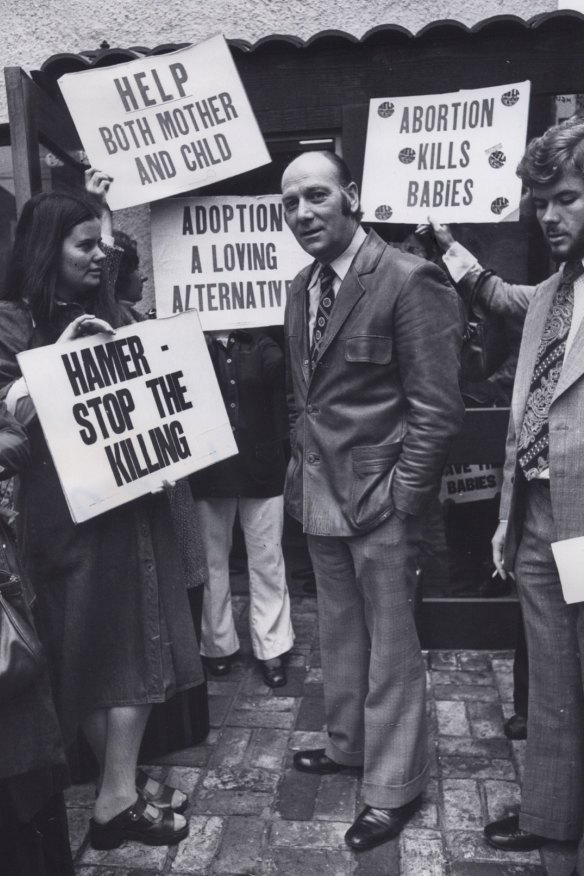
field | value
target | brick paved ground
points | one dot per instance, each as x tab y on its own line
252	814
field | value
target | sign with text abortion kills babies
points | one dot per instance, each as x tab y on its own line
167	123
123	414
232	258
451	156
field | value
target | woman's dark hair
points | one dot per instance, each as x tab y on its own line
129	261
34	265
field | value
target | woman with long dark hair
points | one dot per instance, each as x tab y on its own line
111	593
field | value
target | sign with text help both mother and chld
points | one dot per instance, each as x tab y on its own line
452	156
166	124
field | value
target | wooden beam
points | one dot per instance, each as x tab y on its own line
24	139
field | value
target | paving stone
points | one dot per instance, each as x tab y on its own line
295	685
268	749
233	803
486	719
443	660
427	816
101	871
336	798
268	712
78	820
559	858
297	795
470	660
242	846
309	835
452	719
231	747
455	745
300	862
218	709
245	779
422	853
196	756
470	846
196	853
299	740
130	854
504	869
465	692
81	796
462	804
311	714
503	798
254	685
477	768
460	677
223	686
314	675
382	861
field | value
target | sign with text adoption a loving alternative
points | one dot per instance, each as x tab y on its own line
167	123
231	258
452	156
124	413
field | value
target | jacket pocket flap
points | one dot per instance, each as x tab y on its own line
369	348
380	457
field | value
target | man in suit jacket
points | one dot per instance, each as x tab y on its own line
542	493
373	346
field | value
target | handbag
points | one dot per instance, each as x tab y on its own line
21	655
485	345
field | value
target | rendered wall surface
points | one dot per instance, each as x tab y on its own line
33	30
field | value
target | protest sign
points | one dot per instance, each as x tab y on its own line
452	156
231	258
167	123
124	413
470	483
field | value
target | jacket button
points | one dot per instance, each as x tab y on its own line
312	458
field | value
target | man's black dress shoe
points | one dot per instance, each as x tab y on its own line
507	835
516	727
217	665
316	761
274	675
375	826
136	823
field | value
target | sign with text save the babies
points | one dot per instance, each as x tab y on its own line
231	258
452	156
123	414
167	123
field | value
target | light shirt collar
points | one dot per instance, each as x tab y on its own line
343	262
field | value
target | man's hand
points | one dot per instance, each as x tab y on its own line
442	233
498	543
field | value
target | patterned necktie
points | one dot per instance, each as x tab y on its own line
533	445
325	305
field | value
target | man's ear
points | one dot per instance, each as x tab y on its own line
353	193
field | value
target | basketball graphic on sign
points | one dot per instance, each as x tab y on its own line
497	159
510	98
498	205
407	155
386	109
383	213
